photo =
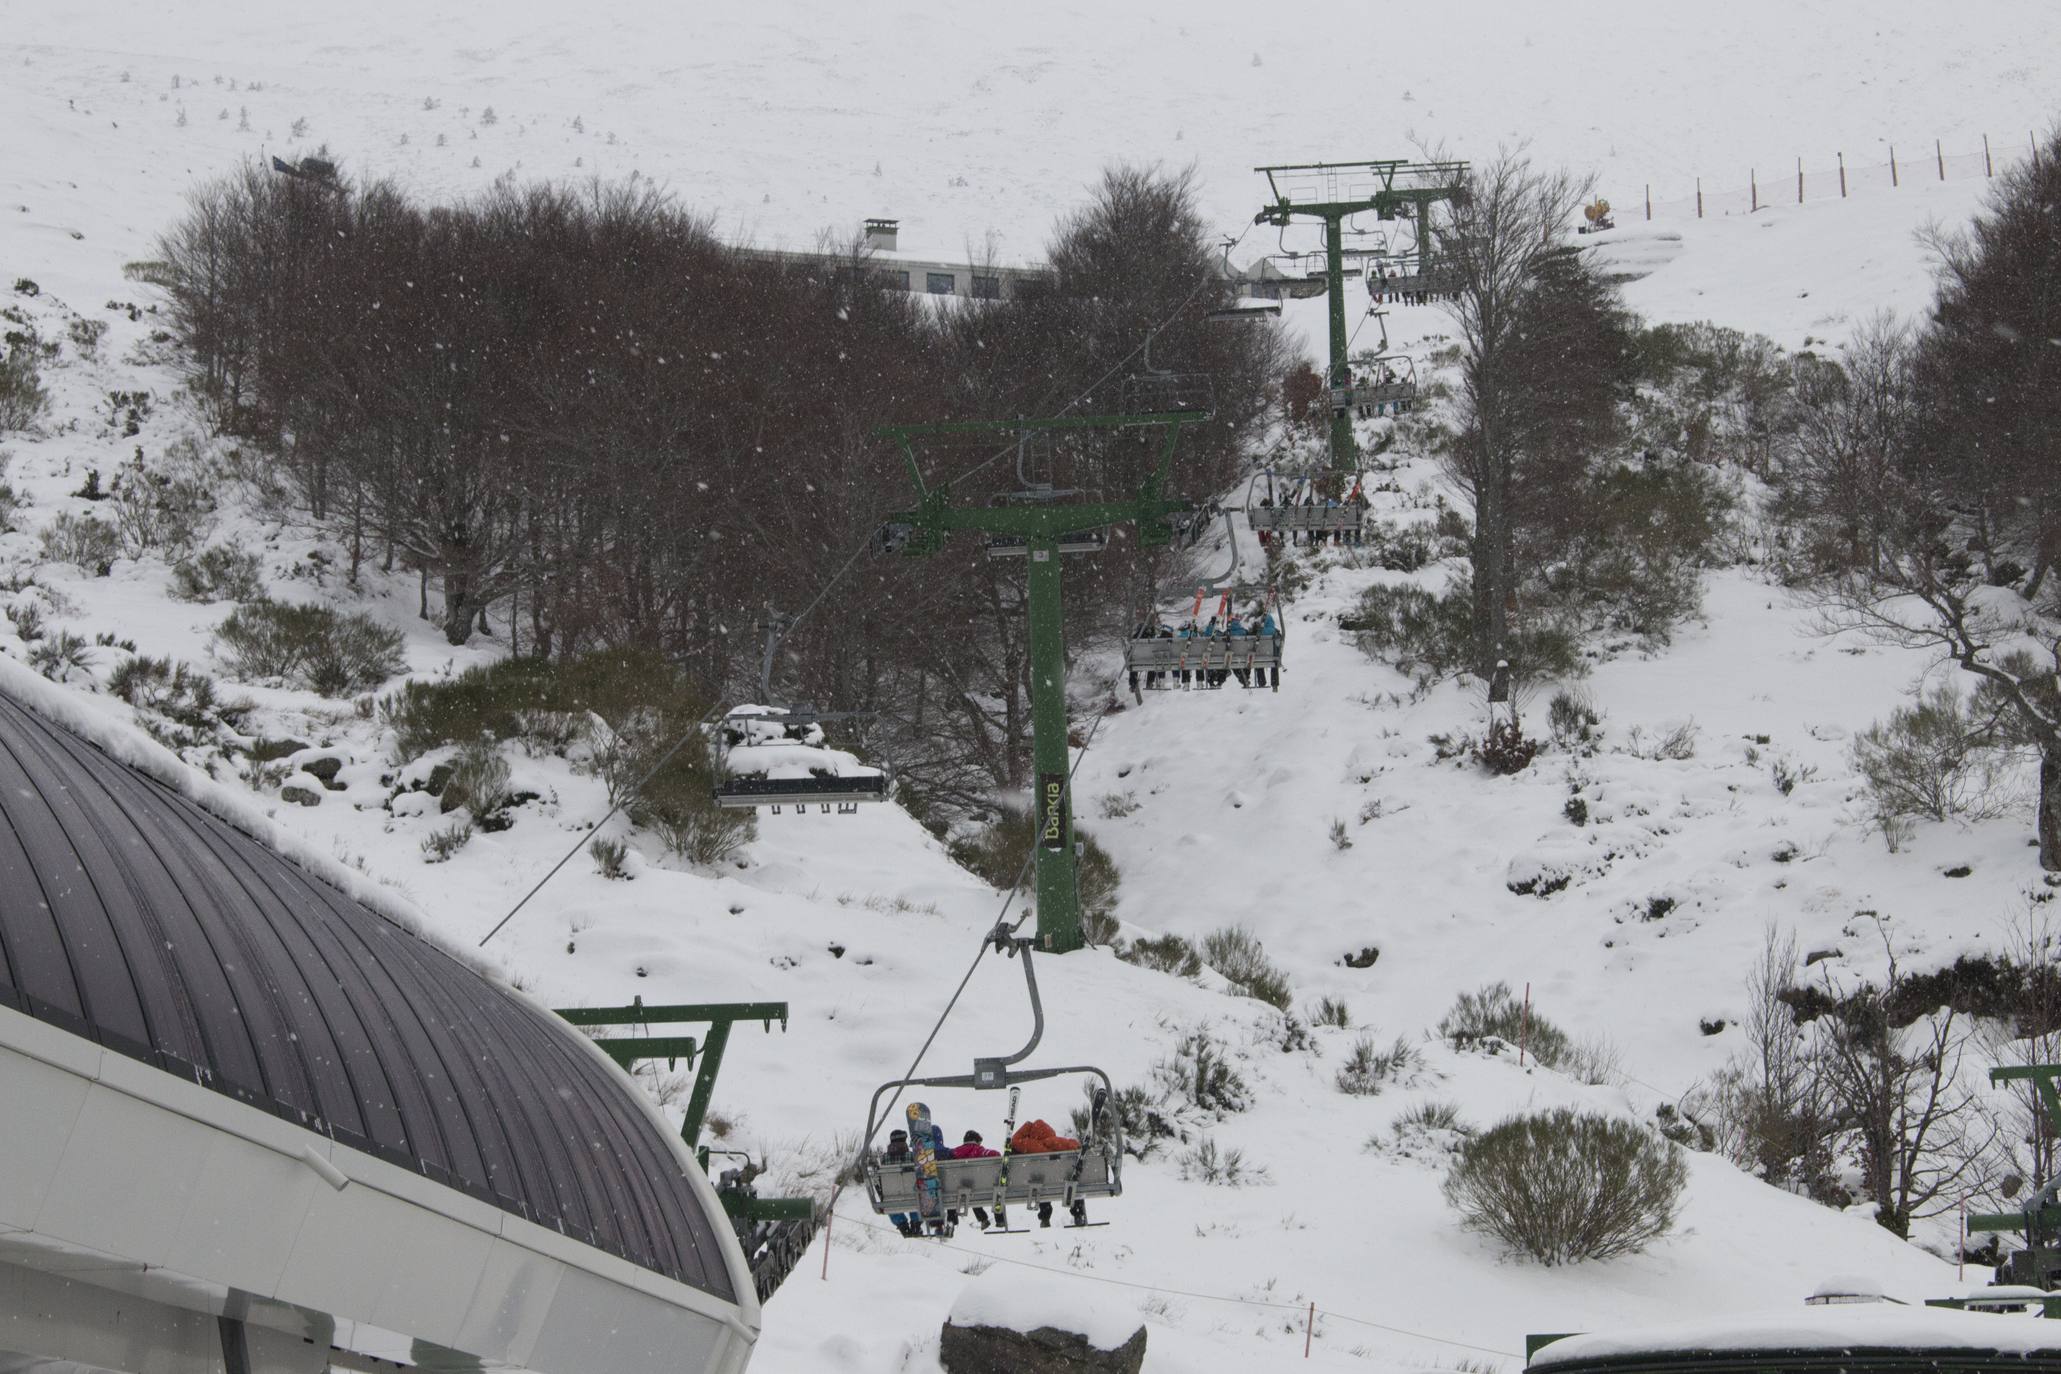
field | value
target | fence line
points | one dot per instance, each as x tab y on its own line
1841	180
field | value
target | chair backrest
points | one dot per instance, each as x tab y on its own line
1305	518
968	1183
1223	651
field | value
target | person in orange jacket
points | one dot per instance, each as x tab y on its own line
1038	1138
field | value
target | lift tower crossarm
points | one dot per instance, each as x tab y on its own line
1340	190
1042	524
2035	1220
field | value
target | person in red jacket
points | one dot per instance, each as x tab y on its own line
971	1148
1038	1138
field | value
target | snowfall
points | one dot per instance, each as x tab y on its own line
1219	807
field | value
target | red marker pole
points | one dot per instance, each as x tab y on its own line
1961	1260
828	1218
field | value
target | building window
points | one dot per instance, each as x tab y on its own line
987	288
890	277
940	283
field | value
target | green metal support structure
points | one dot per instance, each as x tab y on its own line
1332	192
1043	526
631	1050
2041	1224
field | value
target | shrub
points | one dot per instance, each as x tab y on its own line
60	656
1165	954
157	512
995	854
611	858
1341	838
1563	1187
183	696
28	617
11	502
1225	1168
1573	720
1330	1011
1412	628
86	335
1594	1061
1237	954
1133	1108
1935	759
442	844
224	572
22	397
479	783
311	647
1506	750
492	701
1199	1074
85	541
1431	1116
1494	1013
1368	1068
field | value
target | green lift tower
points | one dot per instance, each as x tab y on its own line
1332	192
1040	524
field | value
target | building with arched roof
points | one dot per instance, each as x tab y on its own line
255	1124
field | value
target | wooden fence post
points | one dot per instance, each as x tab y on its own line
1309	1327
1799	181
1649	200
1892	166
1842	176
1753	186
1940	153
1699	187
1989	169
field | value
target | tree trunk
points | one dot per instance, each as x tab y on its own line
458	608
2050	808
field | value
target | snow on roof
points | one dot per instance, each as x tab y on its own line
1848	1326
1024	1301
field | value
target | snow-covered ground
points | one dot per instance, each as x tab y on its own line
774	122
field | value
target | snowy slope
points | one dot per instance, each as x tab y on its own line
861	923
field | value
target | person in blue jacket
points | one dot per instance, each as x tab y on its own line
1263	627
1238	631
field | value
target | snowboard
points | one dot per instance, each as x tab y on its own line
930	1191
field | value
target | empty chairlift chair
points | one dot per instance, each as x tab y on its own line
774	757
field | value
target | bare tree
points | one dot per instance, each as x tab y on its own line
1772	1108
1912	1127
1853	422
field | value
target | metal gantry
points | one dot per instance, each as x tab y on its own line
1332	192
1042	530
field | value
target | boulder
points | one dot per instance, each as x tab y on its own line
300	794
1019	1323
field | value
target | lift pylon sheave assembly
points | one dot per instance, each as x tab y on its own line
1062	1177
1046	528
1332	192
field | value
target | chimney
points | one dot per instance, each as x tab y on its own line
880	234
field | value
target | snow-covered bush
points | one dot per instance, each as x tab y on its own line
1331	1011
1494	1013
177	705
440	845
1414	629
1938	758
1564	1186
1224	1168
61	657
153	511
1163	954
22	397
1199	1074
310	647
611	857
85	541
1573	720
1368	1068
1145	1127
1238	955
225	572
1506	750
479	783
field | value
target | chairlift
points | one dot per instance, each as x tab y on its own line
1403	279
1300	508
1390	378
772	730
1160	391
1200	653
1066	1177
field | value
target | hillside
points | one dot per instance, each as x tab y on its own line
1218	807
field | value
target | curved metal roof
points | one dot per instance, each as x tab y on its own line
132	917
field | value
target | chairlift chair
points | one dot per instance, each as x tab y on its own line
1297	509
1156	657
1066	1177
771	724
